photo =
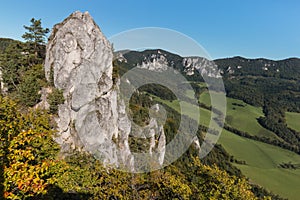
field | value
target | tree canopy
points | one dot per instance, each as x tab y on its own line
36	34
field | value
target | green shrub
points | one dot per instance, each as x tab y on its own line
54	99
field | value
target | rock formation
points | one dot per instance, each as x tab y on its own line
93	117
1	81
159	60
202	65
3	89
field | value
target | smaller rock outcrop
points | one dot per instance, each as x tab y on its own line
3	89
202	65
43	104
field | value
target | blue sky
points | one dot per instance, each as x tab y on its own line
257	28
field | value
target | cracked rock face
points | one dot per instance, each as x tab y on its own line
204	66
92	118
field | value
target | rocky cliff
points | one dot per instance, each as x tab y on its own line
159	60
93	117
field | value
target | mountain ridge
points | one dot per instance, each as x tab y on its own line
215	59
157	58
288	68
7	39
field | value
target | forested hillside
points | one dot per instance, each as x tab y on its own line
272	85
32	166
260	92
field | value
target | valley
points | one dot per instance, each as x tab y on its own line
253	140
262	161
266	149
154	100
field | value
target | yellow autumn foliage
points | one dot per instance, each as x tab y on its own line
30	169
27	151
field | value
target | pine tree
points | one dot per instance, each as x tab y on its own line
36	34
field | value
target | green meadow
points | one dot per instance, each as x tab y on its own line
242	116
262	160
293	120
262	164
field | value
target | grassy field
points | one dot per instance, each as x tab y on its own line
189	110
242	116
262	160
293	120
262	164
190	94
